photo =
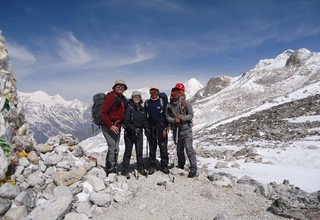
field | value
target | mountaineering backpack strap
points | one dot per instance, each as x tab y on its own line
131	113
98	100
147	104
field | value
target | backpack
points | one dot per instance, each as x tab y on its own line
98	100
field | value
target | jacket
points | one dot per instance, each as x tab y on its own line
174	109
113	109
156	114
135	116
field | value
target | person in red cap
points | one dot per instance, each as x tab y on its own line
112	115
179	114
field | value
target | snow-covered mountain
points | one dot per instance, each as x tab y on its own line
49	115
271	78
192	86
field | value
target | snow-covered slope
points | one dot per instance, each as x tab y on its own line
290	71
49	115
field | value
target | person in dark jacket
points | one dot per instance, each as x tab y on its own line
179	114
112	114
134	123
156	131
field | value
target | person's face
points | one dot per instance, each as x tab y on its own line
119	88
154	93
136	99
176	93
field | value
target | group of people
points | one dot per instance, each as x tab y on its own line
154	118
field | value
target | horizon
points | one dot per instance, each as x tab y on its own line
81	48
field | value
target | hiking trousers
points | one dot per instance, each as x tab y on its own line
185	141
129	140
113	147
155	140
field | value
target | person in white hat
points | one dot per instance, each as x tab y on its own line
134	123
112	115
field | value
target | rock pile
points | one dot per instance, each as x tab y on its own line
57	178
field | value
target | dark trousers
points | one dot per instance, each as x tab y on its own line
129	140
155	140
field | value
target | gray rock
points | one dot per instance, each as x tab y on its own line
23	161
96	183
52	159
3	164
16	213
100	199
76	187
221	164
27	198
33	157
5	205
84	207
44	148
249	181
58	208
35	179
78	151
9	191
68	177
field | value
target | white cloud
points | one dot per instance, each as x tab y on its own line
72	51
20	54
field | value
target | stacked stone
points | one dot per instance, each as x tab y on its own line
58	180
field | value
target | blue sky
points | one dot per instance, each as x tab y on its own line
76	48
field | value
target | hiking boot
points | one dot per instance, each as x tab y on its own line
192	173
125	173
152	170
110	170
142	171
165	170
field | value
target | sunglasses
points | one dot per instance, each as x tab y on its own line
120	86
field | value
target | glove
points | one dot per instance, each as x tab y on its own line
147	133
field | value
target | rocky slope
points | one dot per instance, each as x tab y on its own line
270	124
288	72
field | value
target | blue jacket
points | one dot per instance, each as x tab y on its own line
156	113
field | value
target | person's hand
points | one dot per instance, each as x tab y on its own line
114	129
178	118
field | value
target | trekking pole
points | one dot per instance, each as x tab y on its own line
135	172
147	155
176	144
175	153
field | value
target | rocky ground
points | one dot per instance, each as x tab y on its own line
186	198
57	180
